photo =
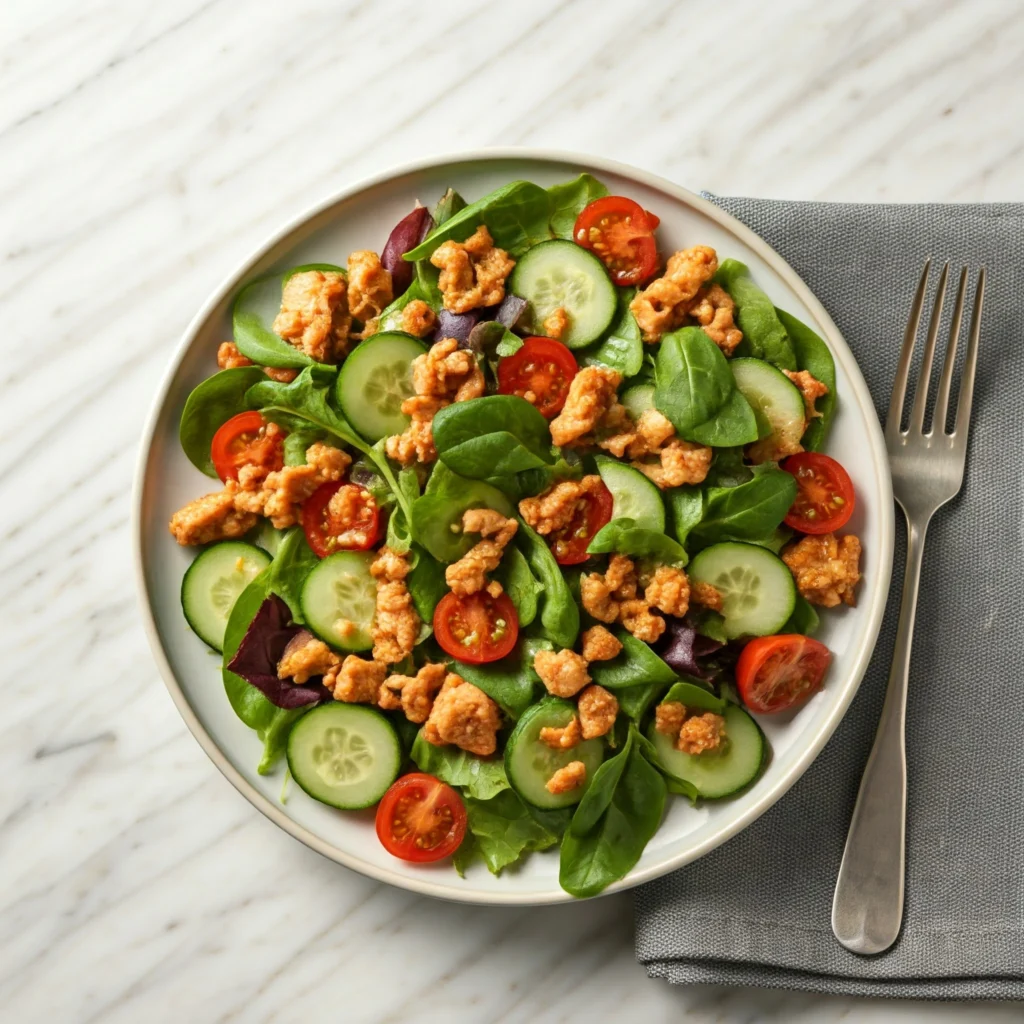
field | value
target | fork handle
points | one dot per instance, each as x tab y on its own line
868	907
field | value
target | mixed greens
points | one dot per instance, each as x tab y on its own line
526	508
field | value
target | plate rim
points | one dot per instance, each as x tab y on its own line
874	611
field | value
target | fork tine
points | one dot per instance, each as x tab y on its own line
946	380
924	380
963	405
899	387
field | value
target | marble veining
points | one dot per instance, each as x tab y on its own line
146	149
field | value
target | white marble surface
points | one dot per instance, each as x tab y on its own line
144	150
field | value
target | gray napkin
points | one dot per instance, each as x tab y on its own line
757	910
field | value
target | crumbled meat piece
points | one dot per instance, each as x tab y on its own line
469	574
811	388
705	595
669	718
396	624
637	617
369	285
351	514
357	681
212	517
564	673
556	323
621	576
370	328
669	591
616	430
285	490
681	462
598	709
440	376
826	568
564	738
700	733
653	430
591	395
572	776
600	645
229	358
714	309
305	657
280	374
663	305
601	594
465	716
414	695
555	508
418	319
314	315
472	272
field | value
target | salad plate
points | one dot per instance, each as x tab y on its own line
360	219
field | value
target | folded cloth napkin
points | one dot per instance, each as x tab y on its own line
757	910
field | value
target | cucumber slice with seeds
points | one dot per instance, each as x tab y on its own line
374	381
212	583
562	275
339	600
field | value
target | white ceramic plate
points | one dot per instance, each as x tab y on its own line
360	218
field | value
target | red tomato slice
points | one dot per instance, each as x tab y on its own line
356	528
824	499
775	673
421	819
541	372
569	544
476	629
621	234
245	439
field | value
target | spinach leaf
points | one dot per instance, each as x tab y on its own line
685	509
568	199
426	583
601	790
694	388
804	618
482	778
391	315
251	316
590	863
503	829
559	614
210	406
297	441
288	571
625	537
635	700
813	355
515	214
634	665
511	681
447	206
728	469
763	333
399	532
694	696
522	587
620	347
274	736
750	512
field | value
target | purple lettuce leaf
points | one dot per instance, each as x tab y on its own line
457	325
682	648
261	649
509	311
406	235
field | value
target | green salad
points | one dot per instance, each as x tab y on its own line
522	523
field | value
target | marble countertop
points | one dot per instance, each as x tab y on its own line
147	148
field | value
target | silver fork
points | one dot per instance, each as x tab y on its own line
927	471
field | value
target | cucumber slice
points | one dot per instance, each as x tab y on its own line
638	399
721	772
560	274
777	403
341	590
529	763
757	588
634	496
374	381
212	583
345	755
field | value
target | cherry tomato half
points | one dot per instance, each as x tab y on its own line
245	438
824	499
775	673
476	629
349	523
569	544
541	372
621	234
421	819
